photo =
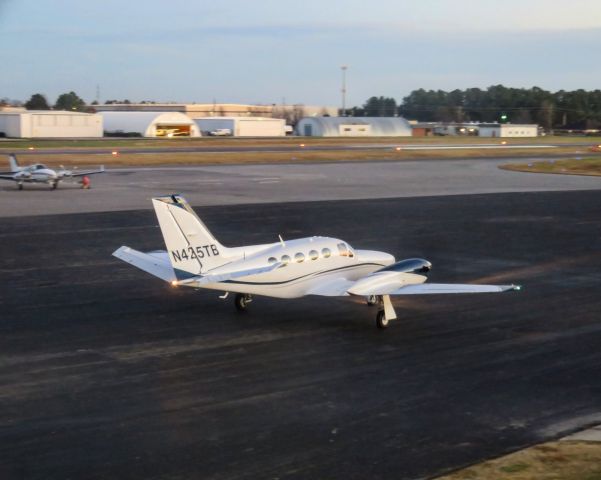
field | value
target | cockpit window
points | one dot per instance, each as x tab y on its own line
39	166
345	250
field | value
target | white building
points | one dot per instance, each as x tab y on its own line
149	124
508	130
243	126
50	124
353	127
485	129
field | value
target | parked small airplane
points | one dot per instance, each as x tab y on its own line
285	269
40	173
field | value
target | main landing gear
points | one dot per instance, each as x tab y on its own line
385	310
241	301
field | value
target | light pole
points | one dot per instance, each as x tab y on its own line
343	90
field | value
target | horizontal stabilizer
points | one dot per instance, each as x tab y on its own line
155	263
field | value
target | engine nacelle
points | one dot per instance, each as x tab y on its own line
410	265
389	279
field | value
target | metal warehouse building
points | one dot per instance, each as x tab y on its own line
353	127
150	124
244	126
50	124
508	130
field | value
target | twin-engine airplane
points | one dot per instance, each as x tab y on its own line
285	269
40	173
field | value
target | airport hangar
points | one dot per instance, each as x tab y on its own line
50	124
354	127
474	129
149	124
244	126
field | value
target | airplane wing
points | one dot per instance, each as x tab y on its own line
7	177
88	172
439	288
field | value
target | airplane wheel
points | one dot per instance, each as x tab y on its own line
241	301
381	320
372	300
20	186
54	185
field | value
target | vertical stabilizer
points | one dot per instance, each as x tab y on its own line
14	164
192	248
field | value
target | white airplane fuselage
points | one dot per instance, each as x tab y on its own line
42	175
306	263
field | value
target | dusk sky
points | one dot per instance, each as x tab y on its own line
264	51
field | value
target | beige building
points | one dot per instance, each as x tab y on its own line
50	124
291	113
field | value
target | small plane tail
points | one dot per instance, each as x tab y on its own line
192	248
14	164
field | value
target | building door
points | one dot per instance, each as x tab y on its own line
308	130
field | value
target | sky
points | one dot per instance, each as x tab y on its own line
279	51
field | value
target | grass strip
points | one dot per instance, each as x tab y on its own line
567	460
124	159
24	144
574	166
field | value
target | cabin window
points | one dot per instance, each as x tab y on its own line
299	257
272	260
326	252
313	255
285	259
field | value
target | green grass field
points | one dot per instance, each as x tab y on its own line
24	144
549	461
581	166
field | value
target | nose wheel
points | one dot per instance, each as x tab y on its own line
241	301
385	311
381	320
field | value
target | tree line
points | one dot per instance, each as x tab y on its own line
577	109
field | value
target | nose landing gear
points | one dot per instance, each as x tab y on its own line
385	311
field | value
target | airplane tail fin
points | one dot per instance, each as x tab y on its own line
192	248
14	164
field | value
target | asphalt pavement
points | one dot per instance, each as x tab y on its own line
131	188
109	373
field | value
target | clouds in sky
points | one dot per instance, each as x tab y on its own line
267	50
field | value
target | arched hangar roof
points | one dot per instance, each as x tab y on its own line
145	123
